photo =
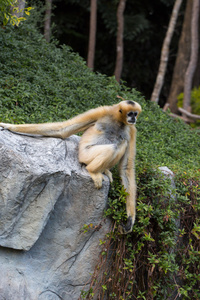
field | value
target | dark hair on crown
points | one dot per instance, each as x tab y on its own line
130	102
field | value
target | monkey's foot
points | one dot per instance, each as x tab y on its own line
109	174
124	229
97	178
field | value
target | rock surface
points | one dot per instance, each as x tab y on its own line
46	197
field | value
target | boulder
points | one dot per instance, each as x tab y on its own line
46	197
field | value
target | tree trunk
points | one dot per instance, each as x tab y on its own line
182	60
120	46
194	55
20	4
165	52
47	20
92	34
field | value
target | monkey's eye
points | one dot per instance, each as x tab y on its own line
132	114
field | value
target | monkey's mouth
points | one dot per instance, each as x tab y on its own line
131	121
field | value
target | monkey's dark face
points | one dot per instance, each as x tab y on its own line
131	117
128	112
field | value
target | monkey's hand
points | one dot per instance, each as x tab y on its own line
4	125
124	229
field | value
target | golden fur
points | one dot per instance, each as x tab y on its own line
109	138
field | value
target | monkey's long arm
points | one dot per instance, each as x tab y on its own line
62	129
127	173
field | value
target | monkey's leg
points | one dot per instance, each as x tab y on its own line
99	159
109	174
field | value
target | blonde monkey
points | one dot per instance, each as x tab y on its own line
109	138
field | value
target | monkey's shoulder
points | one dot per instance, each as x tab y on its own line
113	130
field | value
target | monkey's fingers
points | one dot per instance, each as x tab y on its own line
124	229
4	125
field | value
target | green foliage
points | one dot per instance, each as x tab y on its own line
117	202
195	103
40	82
6	6
160	259
163	141
86	227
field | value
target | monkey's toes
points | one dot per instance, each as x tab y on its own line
98	182
109	174
98	185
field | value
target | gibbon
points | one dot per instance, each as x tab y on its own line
109	138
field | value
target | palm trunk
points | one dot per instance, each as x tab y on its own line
120	45
194	55
47	20
92	34
165	52
182	60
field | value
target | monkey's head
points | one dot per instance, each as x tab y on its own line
129	111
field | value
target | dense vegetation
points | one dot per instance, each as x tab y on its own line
40	82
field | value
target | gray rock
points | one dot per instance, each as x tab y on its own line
167	173
46	197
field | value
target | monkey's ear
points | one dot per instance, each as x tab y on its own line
120	111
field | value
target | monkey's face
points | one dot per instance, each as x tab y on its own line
131	117
129	111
